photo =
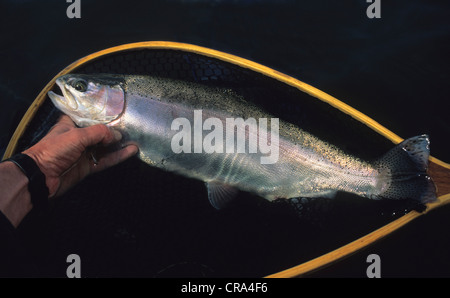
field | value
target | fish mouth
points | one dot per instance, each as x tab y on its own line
65	100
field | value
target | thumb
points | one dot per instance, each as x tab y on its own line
98	134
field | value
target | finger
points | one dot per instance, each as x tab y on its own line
98	134
64	119
63	124
114	158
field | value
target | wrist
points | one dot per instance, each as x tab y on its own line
37	185
52	187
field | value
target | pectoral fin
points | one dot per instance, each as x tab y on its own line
220	194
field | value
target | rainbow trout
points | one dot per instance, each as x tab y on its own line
216	136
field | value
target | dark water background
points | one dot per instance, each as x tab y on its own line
393	69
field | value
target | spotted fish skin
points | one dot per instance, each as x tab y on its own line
143	108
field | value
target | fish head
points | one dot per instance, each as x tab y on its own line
90	99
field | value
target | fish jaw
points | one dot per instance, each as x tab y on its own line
64	102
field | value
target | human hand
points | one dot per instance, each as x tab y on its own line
61	154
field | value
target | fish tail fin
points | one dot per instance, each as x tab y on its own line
403	171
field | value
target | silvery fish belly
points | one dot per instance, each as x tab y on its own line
216	136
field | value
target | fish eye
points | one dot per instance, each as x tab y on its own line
80	85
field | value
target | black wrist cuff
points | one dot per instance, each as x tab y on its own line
36	185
